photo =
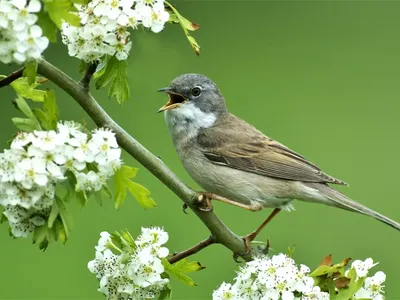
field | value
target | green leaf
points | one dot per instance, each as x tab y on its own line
82	2
30	71
141	194
186	26
40	234
179	269
25	124
327	269
60	231
24	89
352	288
60	10
51	110
3	218
49	28
123	182
166	294
53	214
114	73
64	216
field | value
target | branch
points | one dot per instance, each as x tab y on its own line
192	250
10	78
220	233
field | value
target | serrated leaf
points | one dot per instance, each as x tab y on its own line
352	288
326	269
64	216
166	294
24	89
127	238
60	232
25	124
114	72
53	214
49	28
40	234
123	182
141	194
30	71
51	109
179	269
29	124
60	10
186	26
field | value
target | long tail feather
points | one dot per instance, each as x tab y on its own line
344	202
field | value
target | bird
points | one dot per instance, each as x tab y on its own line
236	163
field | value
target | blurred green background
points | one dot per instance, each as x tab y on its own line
320	77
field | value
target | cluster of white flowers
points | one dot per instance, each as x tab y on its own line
271	278
37	161
278	277
20	38
132	274
373	288
105	25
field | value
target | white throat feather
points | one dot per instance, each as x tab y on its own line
185	122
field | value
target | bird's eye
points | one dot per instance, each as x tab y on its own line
196	91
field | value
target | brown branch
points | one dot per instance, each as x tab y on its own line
91	69
219	231
10	78
192	250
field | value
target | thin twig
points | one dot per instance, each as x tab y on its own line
91	69
218	229
10	78
192	250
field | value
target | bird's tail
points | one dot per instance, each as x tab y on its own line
340	200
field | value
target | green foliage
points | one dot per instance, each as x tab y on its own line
177	18
123	182
29	91
25	124
50	29
180	268
62	10
48	117
30	71
331	278
113	71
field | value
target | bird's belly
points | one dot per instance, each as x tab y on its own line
237	185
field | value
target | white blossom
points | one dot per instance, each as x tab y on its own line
104	27
20	38
373	288
37	161
134	274
362	267
276	277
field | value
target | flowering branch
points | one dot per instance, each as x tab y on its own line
10	78
192	250
219	231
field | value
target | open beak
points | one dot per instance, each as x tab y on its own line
175	100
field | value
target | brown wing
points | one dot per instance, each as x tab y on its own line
236	144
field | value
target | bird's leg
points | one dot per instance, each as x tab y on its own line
205	202
250	237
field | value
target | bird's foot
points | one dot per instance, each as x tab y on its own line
247	241
204	202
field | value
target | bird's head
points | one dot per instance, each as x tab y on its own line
193	92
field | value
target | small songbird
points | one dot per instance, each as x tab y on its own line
237	163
